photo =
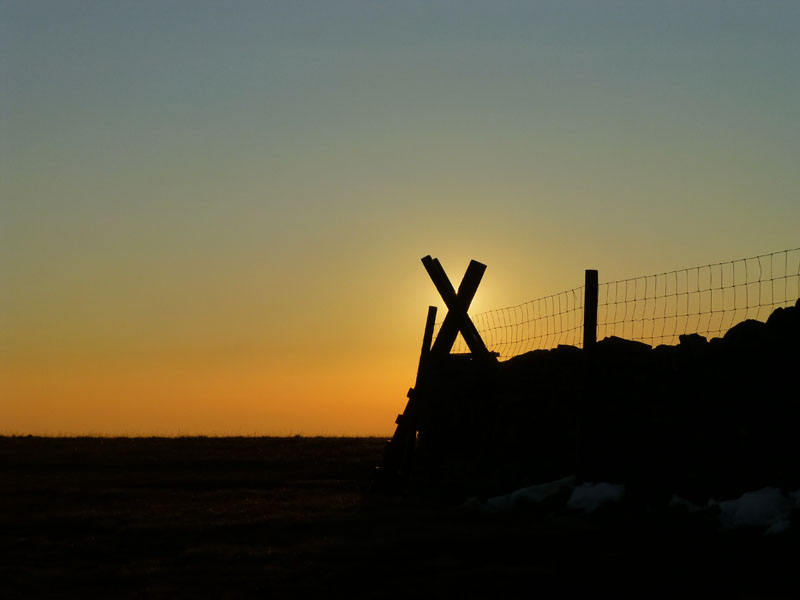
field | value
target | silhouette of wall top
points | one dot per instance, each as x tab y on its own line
701	418
656	309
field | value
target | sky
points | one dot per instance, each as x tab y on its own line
212	214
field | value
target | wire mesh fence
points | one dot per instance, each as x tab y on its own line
537	324
708	300
655	309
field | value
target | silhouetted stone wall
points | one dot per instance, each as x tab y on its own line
702	418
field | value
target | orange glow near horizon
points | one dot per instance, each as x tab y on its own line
233	399
211	220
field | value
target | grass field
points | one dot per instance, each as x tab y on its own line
283	517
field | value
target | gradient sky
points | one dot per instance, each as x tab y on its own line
212	213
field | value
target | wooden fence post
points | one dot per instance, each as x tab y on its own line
590	309
590	292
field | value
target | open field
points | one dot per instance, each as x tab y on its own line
229	517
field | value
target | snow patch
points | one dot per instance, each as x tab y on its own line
684	504
531	495
766	507
537	494
778	527
499	503
589	497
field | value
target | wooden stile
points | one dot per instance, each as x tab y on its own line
466	292
399	452
457	308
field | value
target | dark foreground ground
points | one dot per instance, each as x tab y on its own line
284	517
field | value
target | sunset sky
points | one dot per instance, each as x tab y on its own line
212	213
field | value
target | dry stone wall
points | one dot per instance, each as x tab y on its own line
704	418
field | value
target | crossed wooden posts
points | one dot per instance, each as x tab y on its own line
398	454
457	319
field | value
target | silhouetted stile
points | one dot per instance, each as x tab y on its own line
399	452
701	419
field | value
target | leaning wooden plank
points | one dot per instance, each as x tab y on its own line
398	453
427	339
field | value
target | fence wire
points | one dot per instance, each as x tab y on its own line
655	309
537	324
708	300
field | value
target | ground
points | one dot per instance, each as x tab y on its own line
233	517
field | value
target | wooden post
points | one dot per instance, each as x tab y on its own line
590	367
590	309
